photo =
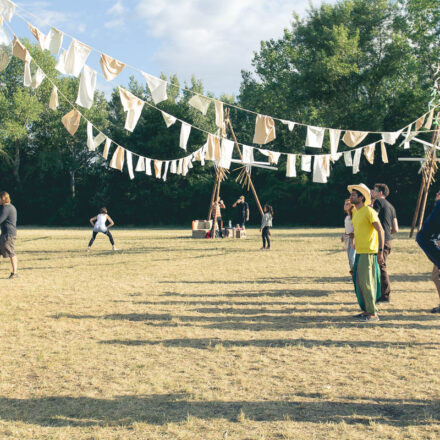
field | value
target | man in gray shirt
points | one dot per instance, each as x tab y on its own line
8	225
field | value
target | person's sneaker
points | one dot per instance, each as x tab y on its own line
369	318
436	310
384	299
359	315
13	276
115	248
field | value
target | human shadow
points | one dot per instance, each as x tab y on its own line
156	409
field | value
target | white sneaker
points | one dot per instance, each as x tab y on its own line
115	248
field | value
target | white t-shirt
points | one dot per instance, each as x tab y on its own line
100	223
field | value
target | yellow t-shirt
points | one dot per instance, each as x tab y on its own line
366	238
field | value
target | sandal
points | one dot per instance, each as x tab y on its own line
436	310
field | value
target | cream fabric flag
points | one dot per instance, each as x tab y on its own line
7	9
428	124
133	106
200	103
319	169
335	157
273	156
54	41
40	37
71	121
140	166
306	163
315	136
157	86
391	137
173	167
185	166
213	148
180	166
248	154
420	122
202	154
129	158
94	142
27	76
407	138
290	124
348	159
76	57
353	138
219	114
148	170
169	120
326	164
19	50
38	78
165	172
53	102
61	63
383	149
185	131
226	153
117	161
357	160
369	153
158	168
111	67
335	135
291	165
87	86
264	130
106	148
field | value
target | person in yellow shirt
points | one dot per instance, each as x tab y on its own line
369	241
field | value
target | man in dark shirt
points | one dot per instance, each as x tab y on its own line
8	225
242	215
428	239
388	219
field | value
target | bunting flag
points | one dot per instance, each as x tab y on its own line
384	152
40	37
132	106
94	142
315	136
226	154
158	168
391	137
185	131
173	167
7	9
320	169
27	75
129	159
291	165
111	67
71	121
272	155
348	159
169	120
53	102
248	154
75	58
157	86
148	170
335	135
213	148
87	86
180	166
38	78
264	130
54	41
117	161
357	160
61	63
290	124
200	103
353	138
420	122
369	153
106	148
165	172
219	115
306	163
19	50
428	124
140	166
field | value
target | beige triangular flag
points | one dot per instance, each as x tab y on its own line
428	124
41	38
106	148
158	168
111	67
353	138
383	149
369	152
71	121
53	102
200	103
19	50
117	161
140	164
420	122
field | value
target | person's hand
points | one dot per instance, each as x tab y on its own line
342	238
261	230
247	219
380	257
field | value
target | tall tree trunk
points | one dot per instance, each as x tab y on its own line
72	184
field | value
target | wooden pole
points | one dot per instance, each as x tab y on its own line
228	121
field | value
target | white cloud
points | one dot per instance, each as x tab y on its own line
44	16
211	39
116	9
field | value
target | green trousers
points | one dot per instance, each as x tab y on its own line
366	277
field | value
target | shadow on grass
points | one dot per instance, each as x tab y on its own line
175	408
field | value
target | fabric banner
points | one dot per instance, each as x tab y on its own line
213	148
420	122
353	138
169	120
335	135
129	158
87	86
357	160
391	137
185	131
306	163
148	170
383	149
273	156
226	153
291	165
71	121
54	41
157	86
61	63
19	50
219	115
40	37
320	169
315	136
7	9
158	168
290	124
264	130
117	161
38	78
106	150
173	167
76	57
165	171
133	106
94	142
111	67
200	103
428	124
180	166
27	76
248	154
369	153
140	166
53	102
348	159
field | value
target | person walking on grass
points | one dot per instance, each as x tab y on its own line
428	238
266	224
369	240
242	212
99	225
347	237
8	224
388	219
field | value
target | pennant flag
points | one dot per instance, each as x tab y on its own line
348	159
319	169
213	148
428	124
200	103
272	155
335	135
369	153
248	154
384	152
129	158
61	63
133	106
180	166
40	37
185	131
117	161
290	124
7	9
357	160
165	172
87	86
148	171
291	165
71	121
157	86
158	168
353	138
53	102
19	50
420	122
111	68
306	163
226	153
391	137
219	115
76	57
264	130
315	136
27	76
169	120
173	167
54	41
94	142
106	148
140	164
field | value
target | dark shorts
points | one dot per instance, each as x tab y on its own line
241	221
7	246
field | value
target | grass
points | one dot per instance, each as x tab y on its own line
174	338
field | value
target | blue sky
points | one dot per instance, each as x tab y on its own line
211	39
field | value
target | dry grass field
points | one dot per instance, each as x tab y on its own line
174	338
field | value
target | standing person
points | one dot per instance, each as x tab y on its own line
266	224
428	238
347	237
217	217
369	239
99	225
8	223
388	219
242	212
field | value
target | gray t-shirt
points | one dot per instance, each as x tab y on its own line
8	220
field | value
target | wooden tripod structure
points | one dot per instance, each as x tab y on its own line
221	174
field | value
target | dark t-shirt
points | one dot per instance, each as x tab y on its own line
242	209
387	213
431	226
8	220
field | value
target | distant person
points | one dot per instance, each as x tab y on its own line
217	217
242	212
348	236
369	239
8	224
99	224
388	219
266	224
428	238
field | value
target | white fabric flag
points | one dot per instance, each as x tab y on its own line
185	166
158	168
273	156
264	130
213	147
173	167
357	160
157	86
117	161
290	124
291	165
319	169
185	131
165	171
219	115
61	63
315	136
94	142
129	158
169	120
87	86
54	41
348	159
133	106
140	166
148	171
76	57
27	77
226	153
391	137
383	150
430	119
7	9
180	166
353	137
106	148
53	102
200	103
306	163
202	154
248	154
326	163
335	135
40	37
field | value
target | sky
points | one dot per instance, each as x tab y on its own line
211	39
